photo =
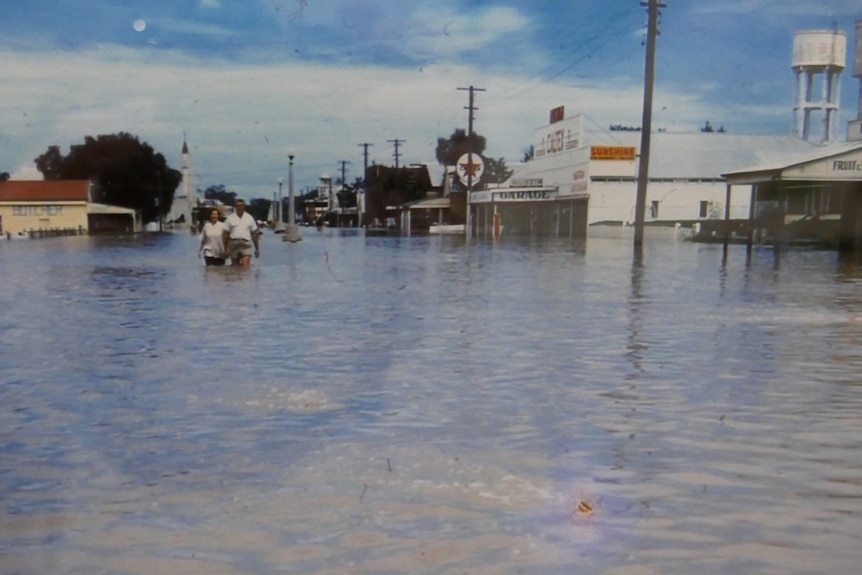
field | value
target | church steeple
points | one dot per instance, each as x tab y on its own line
184	159
185	196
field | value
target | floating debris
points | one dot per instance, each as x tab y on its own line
584	508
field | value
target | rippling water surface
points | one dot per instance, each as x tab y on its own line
424	405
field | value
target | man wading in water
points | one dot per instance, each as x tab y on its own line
240	233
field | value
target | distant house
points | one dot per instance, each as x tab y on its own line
388	188
60	207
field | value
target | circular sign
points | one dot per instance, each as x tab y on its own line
470	168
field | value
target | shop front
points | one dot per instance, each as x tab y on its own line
528	211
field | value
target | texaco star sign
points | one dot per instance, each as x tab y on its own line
467	170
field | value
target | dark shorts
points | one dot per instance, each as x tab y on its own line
211	261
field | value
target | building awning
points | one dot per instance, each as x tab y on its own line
429	204
833	163
107	209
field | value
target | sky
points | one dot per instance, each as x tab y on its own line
249	82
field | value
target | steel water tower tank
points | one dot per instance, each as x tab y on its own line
818	55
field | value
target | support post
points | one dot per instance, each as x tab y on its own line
727	216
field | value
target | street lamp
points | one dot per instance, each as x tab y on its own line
291	233
277	211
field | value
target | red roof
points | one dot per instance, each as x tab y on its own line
45	191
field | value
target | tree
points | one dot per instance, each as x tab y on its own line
529	154
496	171
4	176
458	144
347	195
221	194
258	208
126	171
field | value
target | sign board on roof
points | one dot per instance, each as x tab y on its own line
561	136
558	114
844	167
613	153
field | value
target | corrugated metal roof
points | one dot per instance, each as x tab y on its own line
791	160
706	154
45	191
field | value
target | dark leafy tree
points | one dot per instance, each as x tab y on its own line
459	143
496	171
258	208
4	176
218	192
126	171
50	163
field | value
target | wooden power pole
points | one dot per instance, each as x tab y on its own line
470	109
361	199
646	126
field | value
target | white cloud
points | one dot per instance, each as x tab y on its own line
211	4
174	25
242	121
29	173
442	33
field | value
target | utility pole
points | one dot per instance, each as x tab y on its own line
343	175
360	200
646	125
343	188
291	233
396	154
276	213
470	109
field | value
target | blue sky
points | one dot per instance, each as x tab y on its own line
250	81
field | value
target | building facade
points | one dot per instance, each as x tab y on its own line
685	173
59	207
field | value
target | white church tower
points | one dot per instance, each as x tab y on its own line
185	197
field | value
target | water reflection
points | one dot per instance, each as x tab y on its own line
636	346
428	405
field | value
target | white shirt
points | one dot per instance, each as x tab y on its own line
240	228
213	243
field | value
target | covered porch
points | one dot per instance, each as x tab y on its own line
815	199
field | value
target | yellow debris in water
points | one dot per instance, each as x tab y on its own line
584	507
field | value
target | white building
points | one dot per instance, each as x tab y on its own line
685	172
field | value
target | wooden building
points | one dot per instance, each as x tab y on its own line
60	207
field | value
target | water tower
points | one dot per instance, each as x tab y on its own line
854	128
818	57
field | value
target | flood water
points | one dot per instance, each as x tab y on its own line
428	405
